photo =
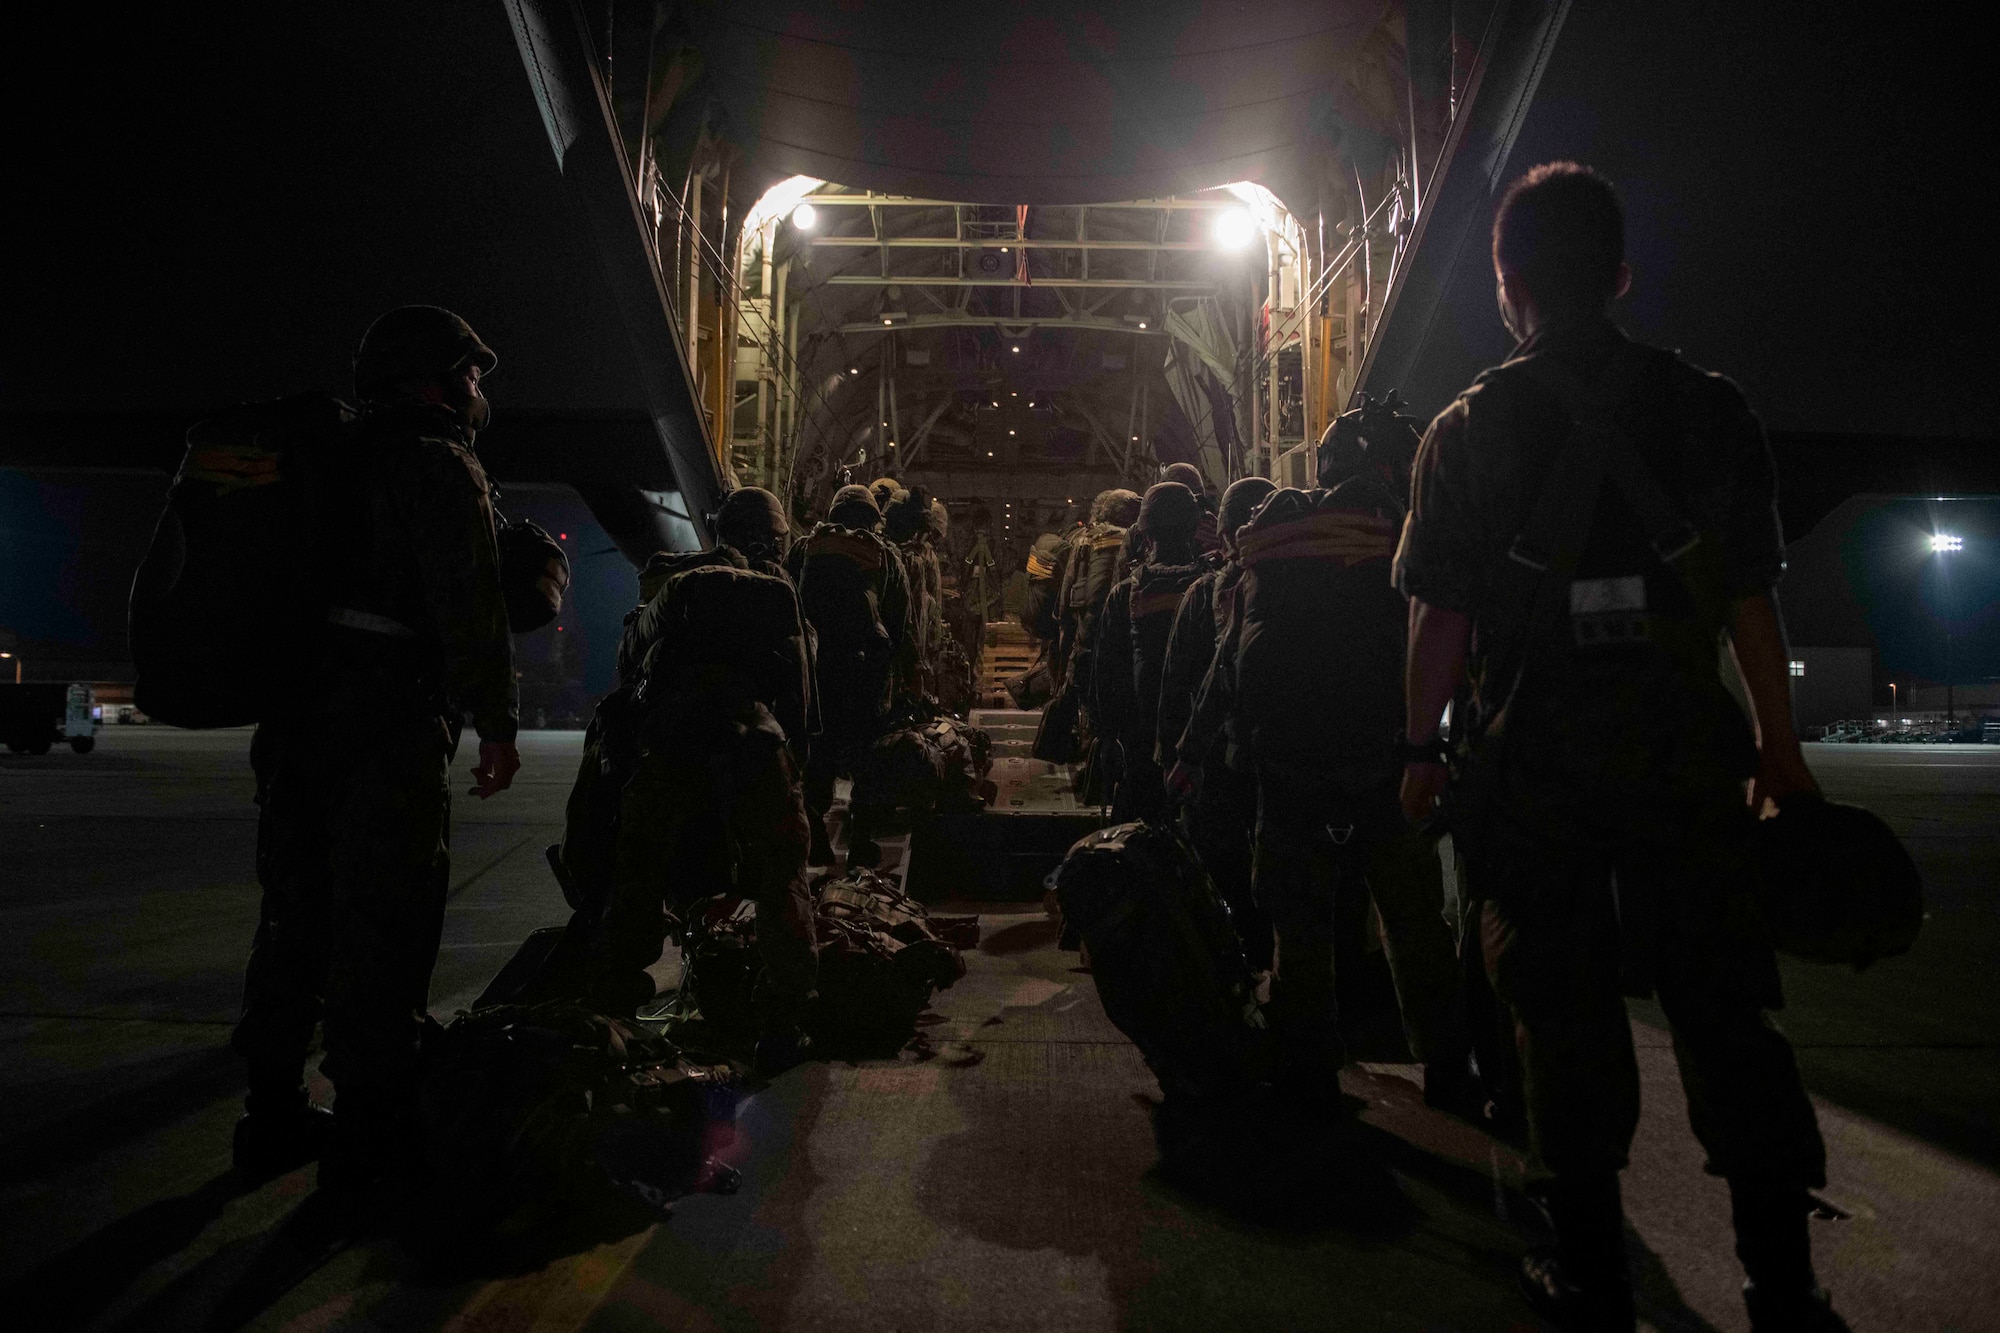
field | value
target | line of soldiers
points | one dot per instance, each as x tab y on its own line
1580	548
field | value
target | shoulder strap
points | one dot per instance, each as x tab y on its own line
1592	410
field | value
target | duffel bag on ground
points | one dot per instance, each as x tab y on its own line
1166	959
1838	885
553	1102
881	959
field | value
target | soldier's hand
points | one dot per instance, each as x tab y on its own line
496	769
1423	788
1181	782
1780	773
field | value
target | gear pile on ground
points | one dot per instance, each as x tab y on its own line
927	765
553	1103
881	959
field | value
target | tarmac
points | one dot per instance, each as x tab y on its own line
1007	1179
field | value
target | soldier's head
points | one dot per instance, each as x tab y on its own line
907	515
1558	246
1188	475
1238	503
425	354
884	489
1117	507
752	521
1375	437
853	507
1167	519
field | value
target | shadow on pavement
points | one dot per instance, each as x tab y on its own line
74	1287
138	1099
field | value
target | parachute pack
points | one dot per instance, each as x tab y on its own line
228	598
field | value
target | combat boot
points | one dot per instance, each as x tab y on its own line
1582	1282
280	1130
1772	1240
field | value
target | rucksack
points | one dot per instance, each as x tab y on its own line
1166	958
1320	642
554	1103
840	586
229	599
932	765
731	632
881	958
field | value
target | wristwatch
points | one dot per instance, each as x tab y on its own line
1432	751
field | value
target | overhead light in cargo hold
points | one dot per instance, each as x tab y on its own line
805	217
1234	228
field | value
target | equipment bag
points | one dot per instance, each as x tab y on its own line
555	1103
1167	962
228	602
840	586
935	766
881	958
1320	648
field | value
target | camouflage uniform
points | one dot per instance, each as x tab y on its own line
1617	856
1224	811
714	804
856	596
353	836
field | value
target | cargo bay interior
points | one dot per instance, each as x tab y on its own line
1016	255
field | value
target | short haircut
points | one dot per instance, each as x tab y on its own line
1562	229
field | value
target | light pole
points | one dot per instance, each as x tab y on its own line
1942	545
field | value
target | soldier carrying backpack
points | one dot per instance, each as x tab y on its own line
353	782
1132	644
1312	675
714	804
1223	806
856	597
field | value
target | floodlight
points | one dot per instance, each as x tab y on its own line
1235	228
805	217
1941	542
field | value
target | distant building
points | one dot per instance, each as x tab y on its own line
1831	684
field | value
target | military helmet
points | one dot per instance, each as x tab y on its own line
414	342
534	574
1375	434
1169	510
854	507
749	515
1188	475
1238	503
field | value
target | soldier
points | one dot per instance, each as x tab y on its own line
1589	518
1096	563
1132	643
1311	671
1207	532
715	803
1046	557
352	839
906	525
1223	814
857	599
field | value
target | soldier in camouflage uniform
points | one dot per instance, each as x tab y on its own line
714	804
1602	808
1223	813
856	597
353	837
